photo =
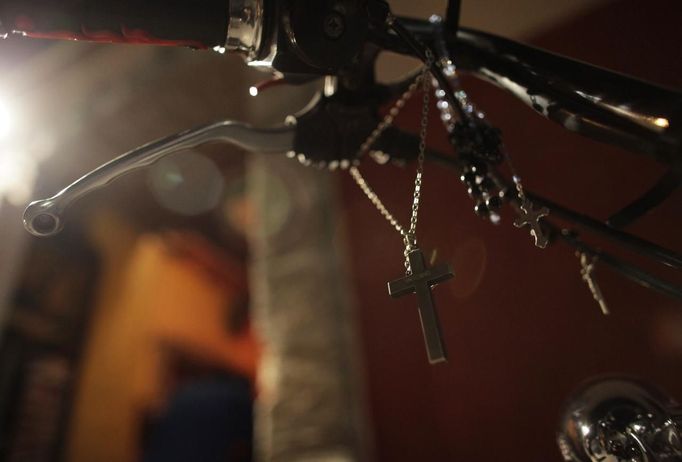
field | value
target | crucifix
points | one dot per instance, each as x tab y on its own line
587	272
531	217
420	281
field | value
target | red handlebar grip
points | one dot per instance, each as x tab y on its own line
193	23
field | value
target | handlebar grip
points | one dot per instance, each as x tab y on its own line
193	23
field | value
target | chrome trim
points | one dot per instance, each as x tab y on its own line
269	45
619	419
331	85
245	29
44	217
265	64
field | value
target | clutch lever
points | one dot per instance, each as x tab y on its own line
328	132
44	217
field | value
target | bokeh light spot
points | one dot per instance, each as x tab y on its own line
186	183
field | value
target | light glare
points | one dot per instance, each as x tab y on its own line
661	122
17	175
5	120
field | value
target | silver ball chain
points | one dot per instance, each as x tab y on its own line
409	235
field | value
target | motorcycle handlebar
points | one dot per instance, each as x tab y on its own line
195	23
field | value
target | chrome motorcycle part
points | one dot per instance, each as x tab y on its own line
620	420
245	28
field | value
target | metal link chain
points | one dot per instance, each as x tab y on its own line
426	90
409	236
390	117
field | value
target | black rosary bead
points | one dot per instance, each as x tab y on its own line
487	185
508	194
479	167
482	210
474	192
469	178
494	202
477	139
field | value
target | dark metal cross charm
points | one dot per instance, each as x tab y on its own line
530	217
420	282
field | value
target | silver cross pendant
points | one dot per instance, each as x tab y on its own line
531	217
420	282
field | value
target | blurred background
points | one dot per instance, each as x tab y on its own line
186	295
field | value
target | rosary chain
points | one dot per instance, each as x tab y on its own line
515	176
469	109
409	236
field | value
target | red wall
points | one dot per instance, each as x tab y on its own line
520	325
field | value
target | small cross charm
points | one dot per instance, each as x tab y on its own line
420	282
531	217
587	273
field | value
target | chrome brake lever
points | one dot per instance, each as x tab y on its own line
44	217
